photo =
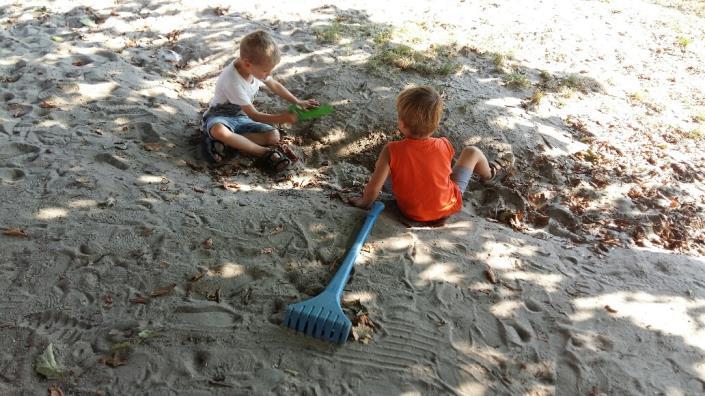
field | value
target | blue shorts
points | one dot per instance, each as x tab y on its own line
233	118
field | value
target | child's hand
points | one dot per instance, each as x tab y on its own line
359	202
290	118
308	103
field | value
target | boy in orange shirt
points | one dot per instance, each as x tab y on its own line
417	169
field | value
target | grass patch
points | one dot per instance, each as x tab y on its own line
683	42
536	97
383	36
575	82
329	34
500	61
637	97
516	80
697	134
437	60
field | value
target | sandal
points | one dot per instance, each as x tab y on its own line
273	161
500	168
213	151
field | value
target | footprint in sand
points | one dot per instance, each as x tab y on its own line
13	150
533	306
56	326
206	317
11	175
113	160
147	132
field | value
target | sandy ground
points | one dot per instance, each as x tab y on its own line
149	272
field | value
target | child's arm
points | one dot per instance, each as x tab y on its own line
265	118
374	186
281	91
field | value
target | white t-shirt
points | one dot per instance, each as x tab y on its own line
232	88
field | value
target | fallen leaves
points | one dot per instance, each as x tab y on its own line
152	146
114	360
47	365
363	328
610	309
229	186
208	244
491	276
162	290
17	232
214	296
54	390
47	104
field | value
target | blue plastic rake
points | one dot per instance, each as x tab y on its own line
322	316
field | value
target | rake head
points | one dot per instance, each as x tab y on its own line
320	317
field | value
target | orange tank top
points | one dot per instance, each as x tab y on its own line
421	183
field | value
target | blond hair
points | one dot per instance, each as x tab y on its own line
420	110
259	48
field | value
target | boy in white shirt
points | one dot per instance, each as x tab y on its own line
231	119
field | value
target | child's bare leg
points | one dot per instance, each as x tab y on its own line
270	138
249	144
473	159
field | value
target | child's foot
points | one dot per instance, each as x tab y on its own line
273	161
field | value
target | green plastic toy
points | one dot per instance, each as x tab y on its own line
316	112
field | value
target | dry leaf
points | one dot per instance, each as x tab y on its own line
610	309
362	333
113	361
364	320
146	231
230	186
15	232
197	277
278	229
491	276
162	290
139	300
267	250
18	110
152	146
214	296
220	11
107	300
54	390
247	297
208	243
80	62
46	104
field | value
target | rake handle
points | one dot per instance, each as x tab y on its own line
336	285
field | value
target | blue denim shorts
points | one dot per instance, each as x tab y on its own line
233	118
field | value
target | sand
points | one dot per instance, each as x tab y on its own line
150	272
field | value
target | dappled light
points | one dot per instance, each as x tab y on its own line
147	268
227	270
83	203
51	213
439	272
671	315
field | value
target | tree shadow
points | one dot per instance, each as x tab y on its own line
145	206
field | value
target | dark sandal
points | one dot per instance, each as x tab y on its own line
500	168
213	150
273	161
